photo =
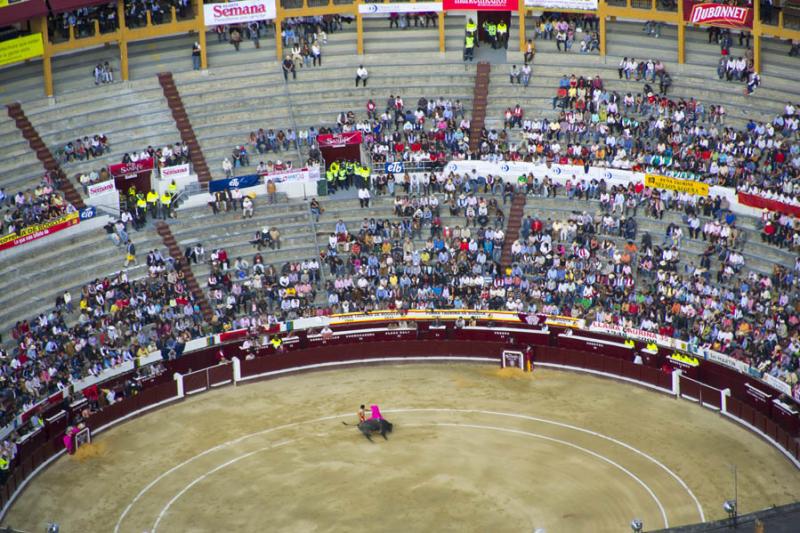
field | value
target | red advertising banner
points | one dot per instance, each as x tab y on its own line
37	231
131	170
337	140
481	5
713	14
772	205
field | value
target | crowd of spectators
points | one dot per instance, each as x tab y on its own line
31	207
84	149
566	28
168	156
82	21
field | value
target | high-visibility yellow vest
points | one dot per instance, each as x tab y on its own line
172	188
334	167
502	28
470	42
491	29
141	203
4	463
329	175
472	28
152	197
165	198
275	342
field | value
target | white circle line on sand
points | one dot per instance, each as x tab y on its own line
237	440
198	479
184	490
571	445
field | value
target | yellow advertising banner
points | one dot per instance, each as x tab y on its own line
21	48
657	181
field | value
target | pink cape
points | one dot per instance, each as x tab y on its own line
376	413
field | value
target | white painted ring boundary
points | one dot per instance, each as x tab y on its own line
155	481
185	489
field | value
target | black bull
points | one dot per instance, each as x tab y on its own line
374	425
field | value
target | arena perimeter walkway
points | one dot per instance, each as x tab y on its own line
569	453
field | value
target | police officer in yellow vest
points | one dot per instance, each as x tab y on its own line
166	198
141	210
172	188
276	342
502	34
491	30
471	30
469	47
342	177
152	203
330	177
5	464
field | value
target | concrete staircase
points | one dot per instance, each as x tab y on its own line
43	154
513	226
162	228
480	97
185	127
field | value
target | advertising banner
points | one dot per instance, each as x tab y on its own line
293	176
395	167
562	4
241	182
656	181
337	140
21	48
88	212
239	12
96	189
641	335
772	205
713	14
481	5
404	7
131	170
37	231
176	172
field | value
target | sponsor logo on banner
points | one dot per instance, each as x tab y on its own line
239	12
337	140
37	231
175	172
21	49
562	4
657	181
777	384
96	189
637	334
404	7
565	321
88	212
713	14
722	359
240	182
131	170
481	5
396	167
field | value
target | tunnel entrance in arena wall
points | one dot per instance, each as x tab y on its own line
492	17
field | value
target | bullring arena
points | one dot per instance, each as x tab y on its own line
551	246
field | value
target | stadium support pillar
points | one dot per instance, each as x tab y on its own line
757	30
681	35
602	32
441	31
201	37
40	25
676	383
359	34
123	43
278	38
521	26
179	382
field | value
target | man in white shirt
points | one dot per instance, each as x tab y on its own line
361	75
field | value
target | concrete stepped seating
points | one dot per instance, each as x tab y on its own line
17	153
163	229
31	289
758	256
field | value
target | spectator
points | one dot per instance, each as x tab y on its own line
361	75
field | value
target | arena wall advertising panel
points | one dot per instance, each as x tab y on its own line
714	14
481	5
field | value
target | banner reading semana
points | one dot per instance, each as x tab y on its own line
21	49
37	231
404	7
587	5
239	12
481	5
657	181
713	14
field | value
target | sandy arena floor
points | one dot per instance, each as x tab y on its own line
474	449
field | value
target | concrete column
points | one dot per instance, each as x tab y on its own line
724	394
179	380
278	39
757	30
201	36
123	60
676	383
441	32
359	34
521	17
602	33
237	370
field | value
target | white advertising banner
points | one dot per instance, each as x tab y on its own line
293	175
96	189
405	7
562	4
239	12
177	172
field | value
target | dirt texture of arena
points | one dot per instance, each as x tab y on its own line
474	448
